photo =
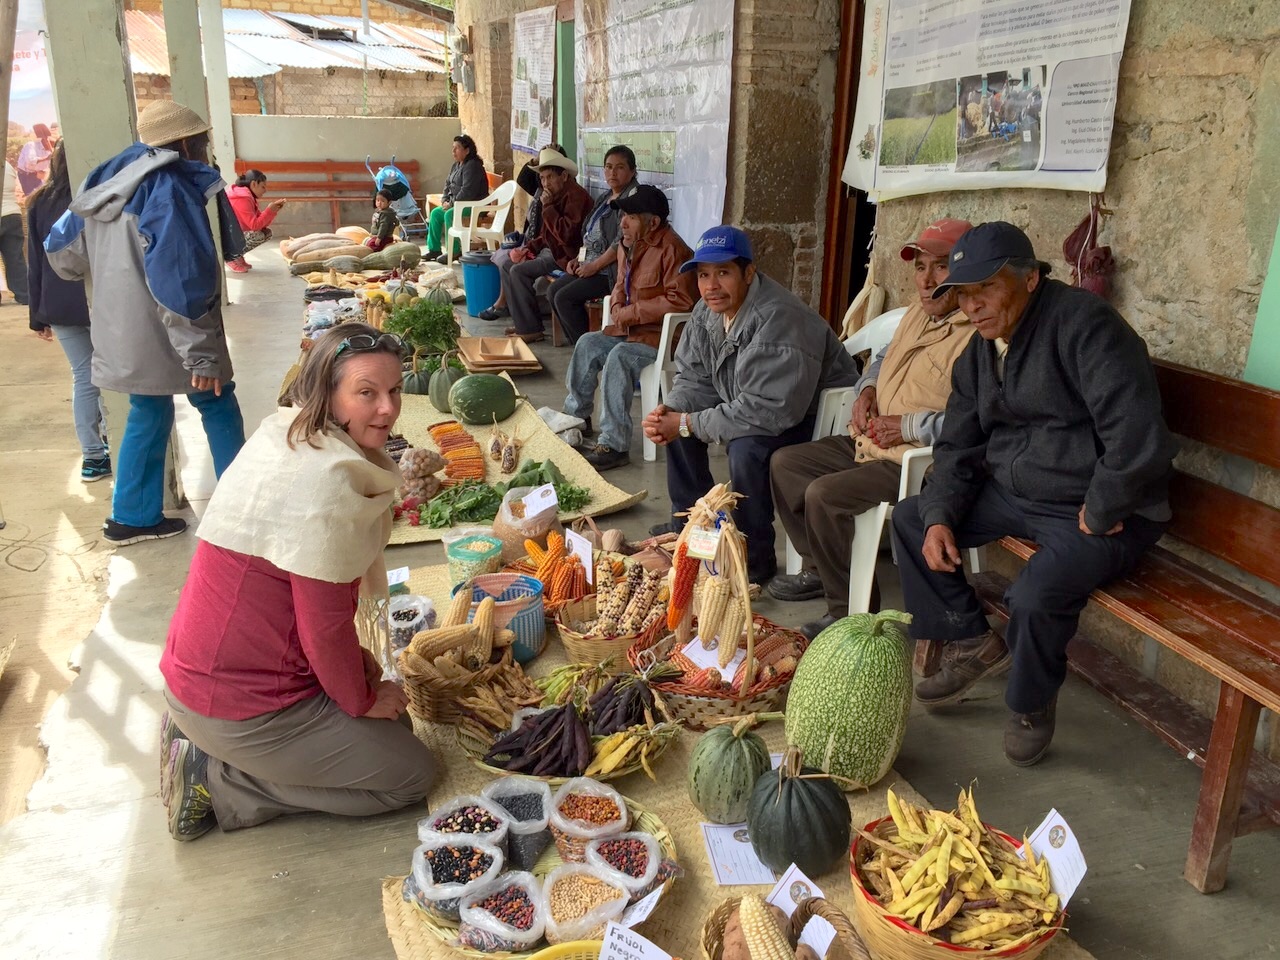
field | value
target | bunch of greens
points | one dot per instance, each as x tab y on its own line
534	473
429	326
472	501
430	362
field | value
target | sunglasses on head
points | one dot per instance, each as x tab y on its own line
361	342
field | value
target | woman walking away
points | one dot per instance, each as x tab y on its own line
244	195
274	706
466	181
59	309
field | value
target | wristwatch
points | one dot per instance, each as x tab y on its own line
684	425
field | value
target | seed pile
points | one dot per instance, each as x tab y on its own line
523	806
578	894
466	819
511	905
589	809
457	864
628	855
404	624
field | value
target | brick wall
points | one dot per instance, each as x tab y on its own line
244	95
383	12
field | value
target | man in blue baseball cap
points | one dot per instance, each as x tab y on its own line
751	364
1053	433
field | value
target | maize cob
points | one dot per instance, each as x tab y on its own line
715	600
555	543
578	585
656	612
429	644
546	571
684	574
616	602
764	940
605	582
563	580
459	607
639	605
481	646
535	552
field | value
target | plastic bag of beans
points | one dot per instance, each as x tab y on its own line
504	915
583	810
448	868
472	817
528	803
579	901
634	857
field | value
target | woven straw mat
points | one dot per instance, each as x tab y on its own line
539	443
676	924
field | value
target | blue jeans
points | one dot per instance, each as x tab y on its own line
138	499
616	364
86	401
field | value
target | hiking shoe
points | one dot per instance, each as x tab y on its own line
121	534
1028	735
190	807
805	585
169	732
94	470
238	265
606	458
815	627
964	663
662	529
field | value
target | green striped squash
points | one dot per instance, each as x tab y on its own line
848	704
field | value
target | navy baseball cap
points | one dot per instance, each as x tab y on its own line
982	251
646	199
719	245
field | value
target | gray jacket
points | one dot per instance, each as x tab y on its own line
765	376
140	231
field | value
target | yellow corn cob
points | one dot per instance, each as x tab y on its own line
715	600
555	544
459	607
535	552
730	629
764	940
429	644
482	643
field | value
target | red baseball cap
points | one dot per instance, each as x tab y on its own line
937	238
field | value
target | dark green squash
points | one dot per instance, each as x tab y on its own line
416	380
726	762
798	815
442	382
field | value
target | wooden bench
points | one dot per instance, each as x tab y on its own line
1227	630
324	181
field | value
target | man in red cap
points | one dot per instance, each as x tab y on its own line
820	487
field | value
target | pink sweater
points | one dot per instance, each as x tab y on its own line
248	638
250	215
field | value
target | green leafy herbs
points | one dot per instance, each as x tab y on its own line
571	496
468	502
535	473
430	362
429	326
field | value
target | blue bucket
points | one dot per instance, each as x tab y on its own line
519	609
481	281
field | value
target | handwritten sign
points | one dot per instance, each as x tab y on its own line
539	499
398	575
620	943
703	543
580	547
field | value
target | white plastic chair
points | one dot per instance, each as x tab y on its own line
655	379
466	223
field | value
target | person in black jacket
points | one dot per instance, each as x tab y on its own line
59	309
1053	433
466	181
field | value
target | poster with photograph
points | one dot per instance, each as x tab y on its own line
656	76
534	76
976	94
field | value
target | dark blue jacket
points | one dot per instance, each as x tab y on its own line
54	301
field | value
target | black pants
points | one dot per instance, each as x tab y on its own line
12	253
689	477
569	297
1044	600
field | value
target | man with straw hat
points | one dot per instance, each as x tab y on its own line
565	208
138	228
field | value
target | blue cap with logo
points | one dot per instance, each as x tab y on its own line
982	251
719	245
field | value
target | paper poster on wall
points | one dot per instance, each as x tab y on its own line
656	76
533	72
977	94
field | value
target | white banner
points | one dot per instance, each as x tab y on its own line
533	72
31	91
977	94
656	76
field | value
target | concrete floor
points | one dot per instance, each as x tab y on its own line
89	870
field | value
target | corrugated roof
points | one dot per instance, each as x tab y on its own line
259	23
426	44
290	53
306	21
381	56
149	50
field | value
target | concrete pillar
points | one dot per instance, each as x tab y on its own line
186	66
215	62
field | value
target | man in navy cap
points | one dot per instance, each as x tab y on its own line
1053	433
751	364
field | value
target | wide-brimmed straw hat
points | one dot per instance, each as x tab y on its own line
164	122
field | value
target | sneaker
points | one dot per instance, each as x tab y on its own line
1028	735
494	313
238	265
964	663
606	458
190	807
168	733
121	534
93	470
805	585
815	627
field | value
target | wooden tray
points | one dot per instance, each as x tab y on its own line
496	354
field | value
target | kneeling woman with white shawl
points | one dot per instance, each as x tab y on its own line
274	706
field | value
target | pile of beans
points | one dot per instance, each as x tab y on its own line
466	819
405	622
511	905
589	809
523	807
457	864
578	894
628	855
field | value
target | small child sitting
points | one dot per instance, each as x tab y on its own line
384	223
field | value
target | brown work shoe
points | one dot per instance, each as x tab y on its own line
1028	735
964	663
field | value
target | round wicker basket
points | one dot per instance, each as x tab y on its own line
890	938
435	700
589	650
573	950
847	945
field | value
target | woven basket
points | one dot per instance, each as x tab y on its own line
475	741
642	820
891	938
518	609
696	706
847	945
529	569
588	650
436	701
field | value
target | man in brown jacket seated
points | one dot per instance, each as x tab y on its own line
565	208
820	487
649	286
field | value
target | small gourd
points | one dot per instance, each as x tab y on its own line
438	294
798	815
417	380
723	769
442	382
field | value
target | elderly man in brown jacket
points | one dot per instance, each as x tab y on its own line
649	286
820	487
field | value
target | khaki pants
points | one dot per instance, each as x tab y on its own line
307	757
818	489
